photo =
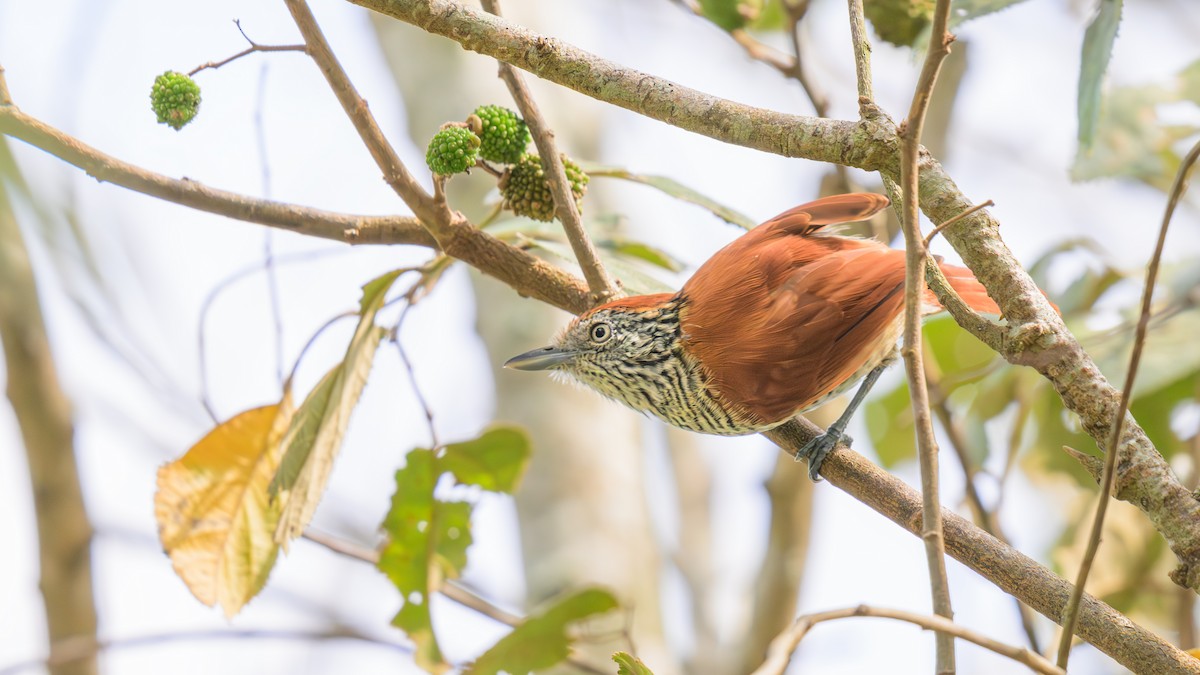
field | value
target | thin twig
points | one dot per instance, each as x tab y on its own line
254	47
264	164
206	307
862	56
246	52
450	589
599	282
74	649
782	647
984	517
937	230
914	290
1118	424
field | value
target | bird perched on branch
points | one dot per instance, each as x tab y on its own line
781	320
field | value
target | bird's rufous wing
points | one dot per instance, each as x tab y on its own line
780	318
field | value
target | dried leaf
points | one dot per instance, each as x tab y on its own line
215	519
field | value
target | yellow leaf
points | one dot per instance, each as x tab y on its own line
215	519
1194	652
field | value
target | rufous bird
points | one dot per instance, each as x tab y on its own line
776	323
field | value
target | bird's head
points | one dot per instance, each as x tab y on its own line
606	347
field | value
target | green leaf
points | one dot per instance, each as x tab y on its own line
541	641
956	351
643	251
630	665
965	10
634	280
890	424
427	544
674	189
315	436
495	461
1097	49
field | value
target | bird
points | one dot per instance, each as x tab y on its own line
784	318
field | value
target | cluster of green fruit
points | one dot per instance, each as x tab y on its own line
175	98
496	134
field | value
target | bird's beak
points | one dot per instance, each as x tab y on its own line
540	359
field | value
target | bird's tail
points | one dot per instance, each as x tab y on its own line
968	288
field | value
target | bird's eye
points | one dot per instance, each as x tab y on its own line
601	332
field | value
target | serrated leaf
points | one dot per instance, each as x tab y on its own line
427	544
674	189
1097	50
495	461
541	641
890	425
965	10
628	664
313	440
215	519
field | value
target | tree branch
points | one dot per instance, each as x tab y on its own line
1111	452
782	647
914	302
1036	335
1012	571
600	284
43	413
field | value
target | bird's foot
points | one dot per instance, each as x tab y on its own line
816	450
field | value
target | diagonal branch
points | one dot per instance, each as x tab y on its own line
43	414
1111	452
599	283
1012	571
914	301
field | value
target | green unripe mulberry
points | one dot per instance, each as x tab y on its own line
452	150
175	98
503	134
526	190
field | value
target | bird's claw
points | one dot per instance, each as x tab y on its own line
816	450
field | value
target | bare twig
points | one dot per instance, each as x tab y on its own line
1114	442
935	231
599	282
862	56
254	47
246	52
71	650
451	590
984	517
914	290
206	306
782	647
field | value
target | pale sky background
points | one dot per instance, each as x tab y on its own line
86	67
